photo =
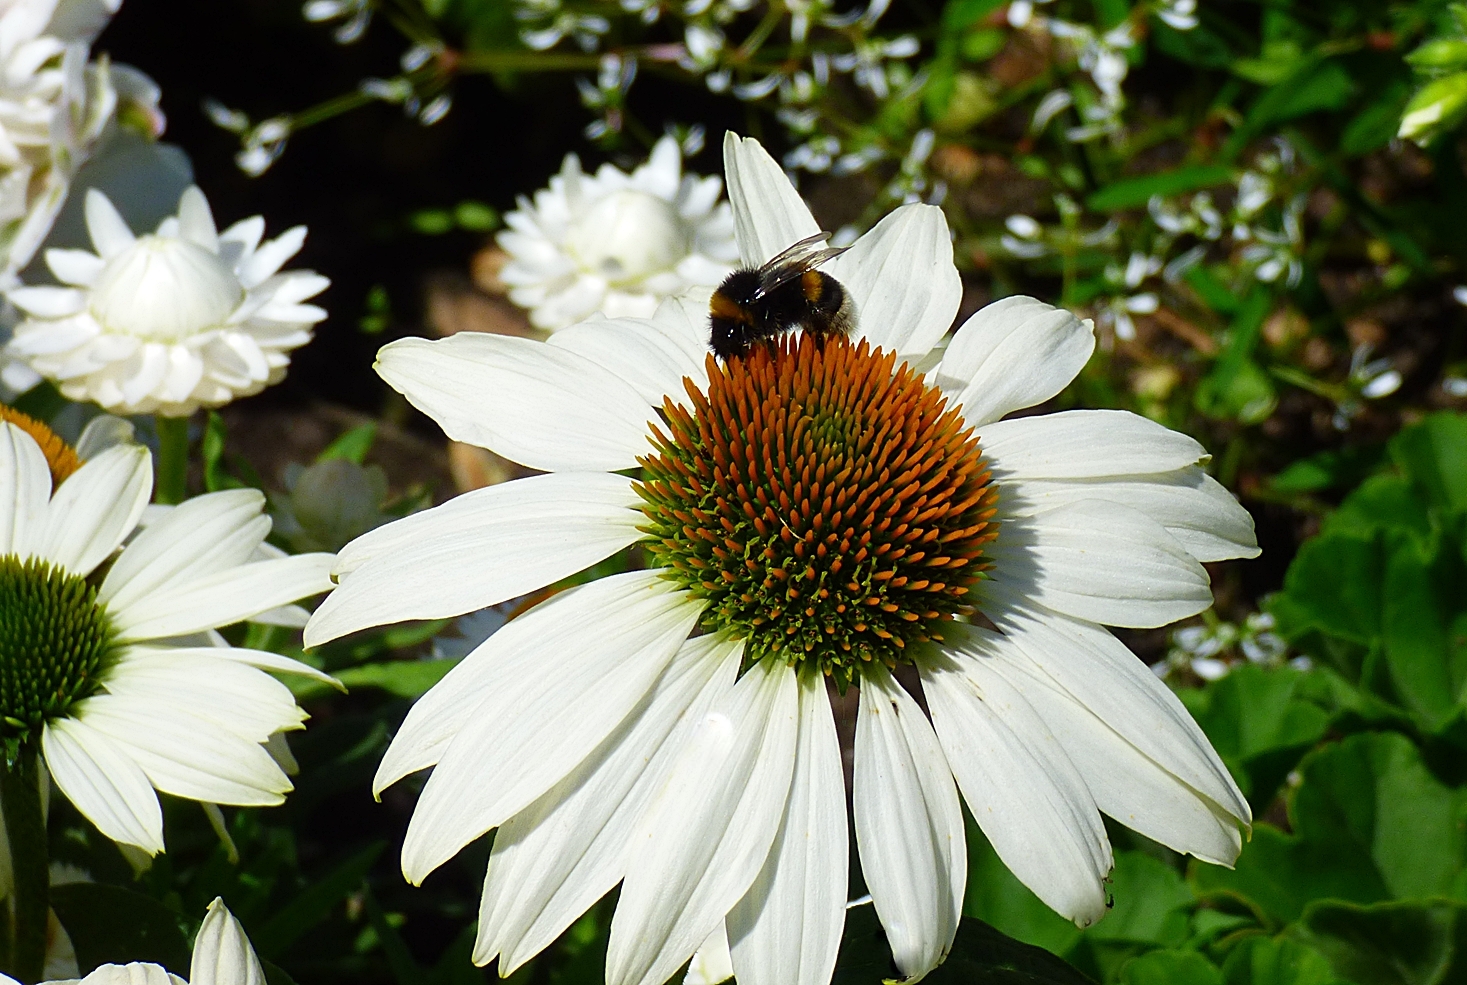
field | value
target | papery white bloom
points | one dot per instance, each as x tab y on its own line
119	676
616	243
1180	15
169	321
816	509
222	956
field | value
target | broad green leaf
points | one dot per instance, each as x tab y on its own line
1329	469
1170	968
1133	193
1278	874
402	678
1412	943
1276	961
1434	454
1382	502
1334	586
1150	903
1426	668
112	925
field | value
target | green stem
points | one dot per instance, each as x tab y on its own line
20	798
172	484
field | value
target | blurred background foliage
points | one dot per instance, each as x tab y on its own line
1263	204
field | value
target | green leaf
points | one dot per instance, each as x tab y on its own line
1433	453
1414	943
1278	874
1135	192
1324	86
1276	961
1170	968
1333	585
1238	387
1150	903
1427	671
401	678
212	447
1439	55
1382	503
315	904
1375	126
112	925
1437	107
1330	469
353	445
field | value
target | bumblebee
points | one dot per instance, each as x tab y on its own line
753	306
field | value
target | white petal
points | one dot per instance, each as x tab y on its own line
1124	782
1013	354
1193	507
132	973
1099	561
787	928
712	963
223	598
199	537
275	663
902	280
909	825
79	267
636	351
104	783
195	221
769	215
535	404
555	858
237	697
263	263
478	549
25	489
222	952
1022	789
96	508
109	232
1078	444
556	681
186	754
1103	675
707	833
48	302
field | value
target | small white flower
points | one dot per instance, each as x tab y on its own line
169	321
1181	15
1053	104
616	243
222	956
133	689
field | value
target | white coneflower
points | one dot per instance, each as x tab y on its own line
115	679
169	321
813	515
616	243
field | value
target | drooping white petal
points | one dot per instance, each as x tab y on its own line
222	952
707	833
535	404
1103	675
184	753
234	695
199	537
1022	789
25	489
568	849
104	784
712	963
1102	562
1081	444
787	928
902	280
499	542
556	681
1013	354
909	825
769	215
1125	783
273	662
1193	507
96	508
48	302
109	231
224	598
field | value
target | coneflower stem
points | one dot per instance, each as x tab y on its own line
25	825
172	484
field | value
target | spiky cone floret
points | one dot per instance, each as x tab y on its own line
643	729
109	663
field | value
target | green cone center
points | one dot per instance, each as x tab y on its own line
54	639
825	502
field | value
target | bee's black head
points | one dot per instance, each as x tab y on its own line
741	286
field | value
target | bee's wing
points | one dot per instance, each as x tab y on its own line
795	261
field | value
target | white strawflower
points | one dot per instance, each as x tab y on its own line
812	516
117	678
222	956
616	243
169	321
